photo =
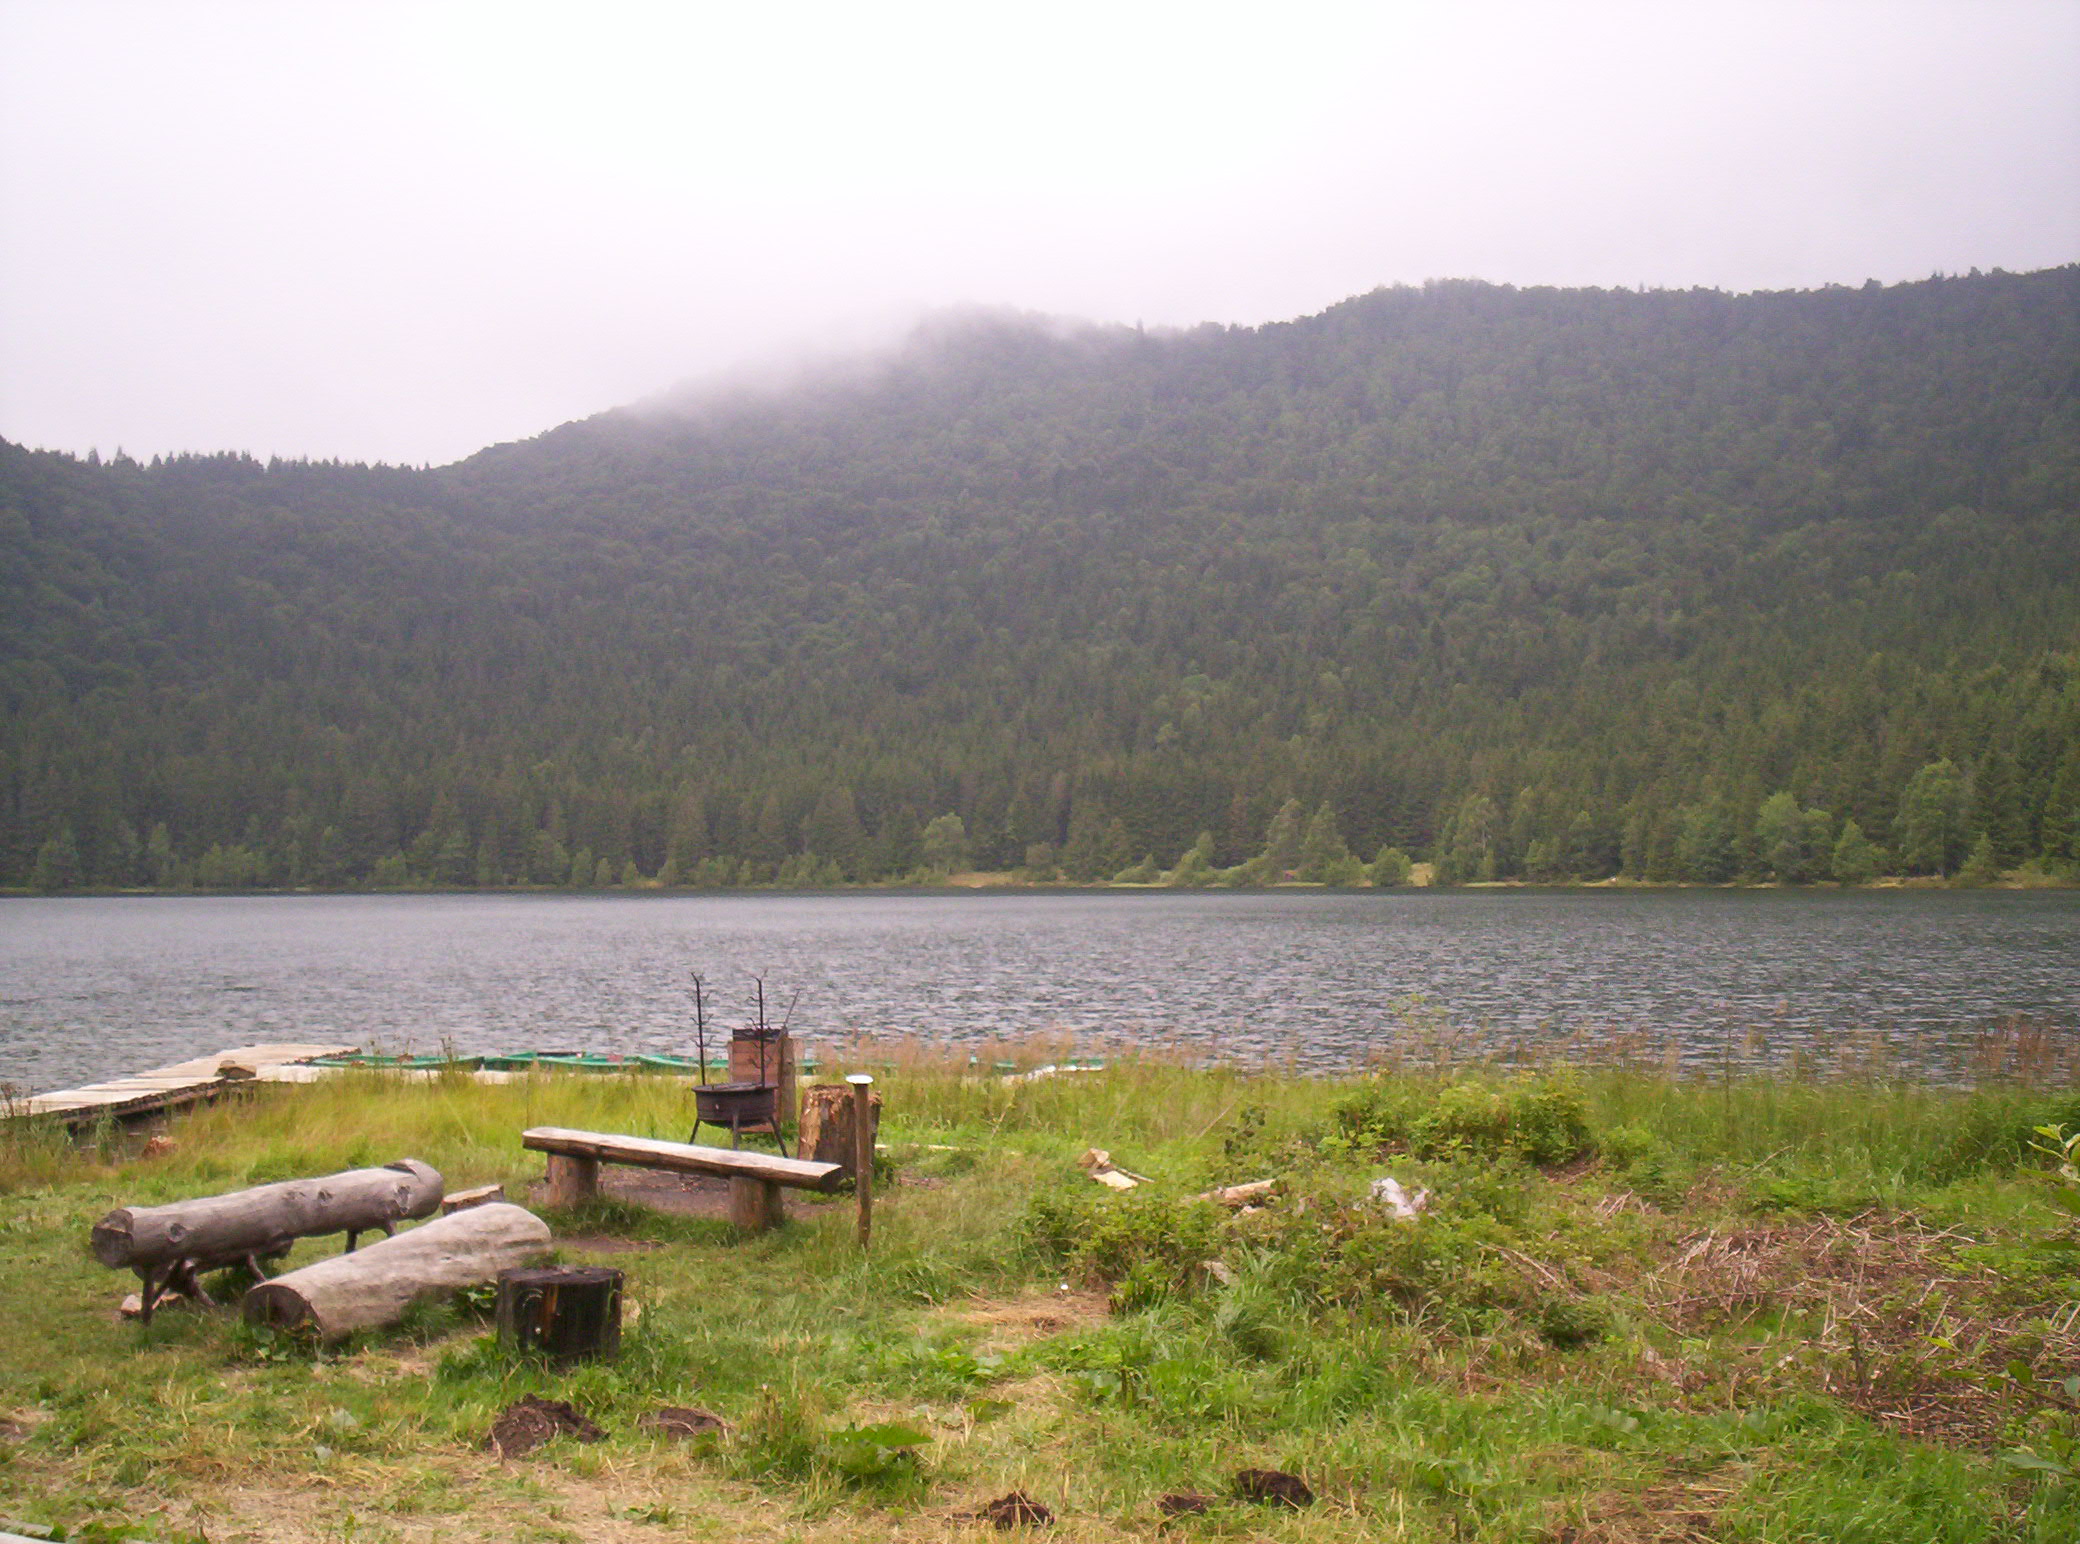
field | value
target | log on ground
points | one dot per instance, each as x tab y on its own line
374	1286
266	1219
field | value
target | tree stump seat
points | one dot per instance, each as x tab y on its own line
755	1179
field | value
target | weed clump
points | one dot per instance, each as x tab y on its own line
1542	1121
1101	1237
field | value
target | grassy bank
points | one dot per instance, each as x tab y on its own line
1636	1308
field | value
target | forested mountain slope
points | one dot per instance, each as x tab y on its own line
1540	582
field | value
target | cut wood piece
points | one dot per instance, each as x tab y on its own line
266	1219
462	1200
374	1286
1255	1193
826	1132
1099	1165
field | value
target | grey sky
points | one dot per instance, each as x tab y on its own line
402	231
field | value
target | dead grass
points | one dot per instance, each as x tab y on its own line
1008	1323
1864	1305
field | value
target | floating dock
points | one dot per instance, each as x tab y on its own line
184	1083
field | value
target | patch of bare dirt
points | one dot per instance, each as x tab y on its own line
1273	1486
1669	1513
682	1195
1017	1510
1034	1315
604	1243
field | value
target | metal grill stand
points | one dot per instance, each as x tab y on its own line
751	1104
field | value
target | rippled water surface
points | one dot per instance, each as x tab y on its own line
94	987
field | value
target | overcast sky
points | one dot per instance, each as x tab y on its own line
382	230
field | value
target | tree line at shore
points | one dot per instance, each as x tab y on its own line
1524	584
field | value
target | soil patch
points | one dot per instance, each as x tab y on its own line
529	1422
1017	1510
682	1195
1035	1315
602	1243
1274	1486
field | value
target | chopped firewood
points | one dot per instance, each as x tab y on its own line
1099	1165
1255	1193
463	1199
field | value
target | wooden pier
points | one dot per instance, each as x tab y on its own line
184	1083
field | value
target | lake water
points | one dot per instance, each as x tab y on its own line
94	987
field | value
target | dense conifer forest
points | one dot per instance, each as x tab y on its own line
1550	584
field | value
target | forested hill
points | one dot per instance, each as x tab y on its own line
1552	583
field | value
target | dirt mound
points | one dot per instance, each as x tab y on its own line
1275	1486
1017	1510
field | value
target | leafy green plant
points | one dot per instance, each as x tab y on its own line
879	1453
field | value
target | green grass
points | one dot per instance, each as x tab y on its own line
1638	1308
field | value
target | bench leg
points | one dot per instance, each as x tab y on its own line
754	1203
570	1181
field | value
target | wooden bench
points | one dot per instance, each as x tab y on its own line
755	1179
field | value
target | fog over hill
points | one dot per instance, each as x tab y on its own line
1532	582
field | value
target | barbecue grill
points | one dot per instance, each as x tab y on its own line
741	1106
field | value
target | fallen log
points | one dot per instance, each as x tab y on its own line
374	1286
171	1246
268	1218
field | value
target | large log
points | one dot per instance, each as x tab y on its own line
374	1286
267	1219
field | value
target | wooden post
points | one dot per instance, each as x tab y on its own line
863	1152
754	1203
570	1181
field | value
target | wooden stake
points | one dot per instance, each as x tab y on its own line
863	1151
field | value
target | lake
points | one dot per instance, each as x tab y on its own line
93	987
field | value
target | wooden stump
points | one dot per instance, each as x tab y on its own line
827	1129
568	1313
569	1181
374	1286
754	1203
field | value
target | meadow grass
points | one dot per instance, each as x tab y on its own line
1639	1307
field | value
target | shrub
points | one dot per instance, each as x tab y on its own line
1540	1120
1105	1236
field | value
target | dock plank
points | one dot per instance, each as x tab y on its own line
188	1082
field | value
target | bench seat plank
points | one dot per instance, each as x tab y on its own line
684	1158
